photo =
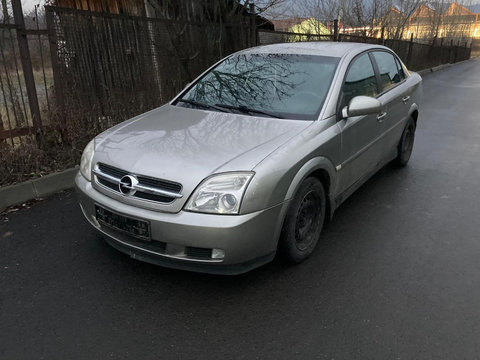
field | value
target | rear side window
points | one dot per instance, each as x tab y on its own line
387	66
360	79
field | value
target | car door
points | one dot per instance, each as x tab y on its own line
361	135
395	96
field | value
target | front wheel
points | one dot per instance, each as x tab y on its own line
405	147
304	221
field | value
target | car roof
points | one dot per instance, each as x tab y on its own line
325	48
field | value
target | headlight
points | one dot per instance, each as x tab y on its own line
86	161
220	194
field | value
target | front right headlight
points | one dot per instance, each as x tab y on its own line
86	161
220	194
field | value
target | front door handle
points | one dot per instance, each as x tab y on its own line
406	99
381	116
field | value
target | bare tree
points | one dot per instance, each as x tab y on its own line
395	22
358	14
391	19
210	10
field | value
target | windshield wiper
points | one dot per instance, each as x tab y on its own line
205	106
247	110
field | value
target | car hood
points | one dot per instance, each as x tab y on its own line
187	145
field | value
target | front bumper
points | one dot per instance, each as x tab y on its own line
248	240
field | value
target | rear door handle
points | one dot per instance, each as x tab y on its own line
406	99
381	116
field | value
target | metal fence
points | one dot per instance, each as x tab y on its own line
87	71
90	71
108	68
476	47
26	97
415	55
25	81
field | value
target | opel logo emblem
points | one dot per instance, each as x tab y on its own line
128	185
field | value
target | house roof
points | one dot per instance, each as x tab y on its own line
439	6
397	7
285	24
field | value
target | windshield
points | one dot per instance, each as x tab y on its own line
278	85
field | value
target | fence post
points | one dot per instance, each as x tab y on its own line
27	67
253	25
441	51
450	51
410	48
430	58
335	30
456	52
57	82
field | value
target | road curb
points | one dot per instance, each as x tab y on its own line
441	67
436	68
37	188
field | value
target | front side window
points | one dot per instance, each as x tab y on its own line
286	85
361	80
388	69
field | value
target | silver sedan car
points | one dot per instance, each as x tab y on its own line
252	158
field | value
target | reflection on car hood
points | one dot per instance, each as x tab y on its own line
187	145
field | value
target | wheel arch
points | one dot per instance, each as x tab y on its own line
322	169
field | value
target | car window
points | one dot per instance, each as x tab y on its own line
288	85
387	66
360	79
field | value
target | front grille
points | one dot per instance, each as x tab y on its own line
108	184
152	197
162	184
110	170
150	189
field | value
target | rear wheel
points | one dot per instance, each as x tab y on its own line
405	147
304	221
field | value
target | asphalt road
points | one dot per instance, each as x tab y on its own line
396	275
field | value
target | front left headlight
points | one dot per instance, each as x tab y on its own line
86	161
220	194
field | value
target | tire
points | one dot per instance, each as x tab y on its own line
303	222
405	146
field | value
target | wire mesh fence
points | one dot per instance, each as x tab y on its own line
417	56
111	67
267	37
91	71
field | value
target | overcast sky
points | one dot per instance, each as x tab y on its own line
29	4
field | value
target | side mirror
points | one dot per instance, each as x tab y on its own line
362	105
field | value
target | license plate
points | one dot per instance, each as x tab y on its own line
137	228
